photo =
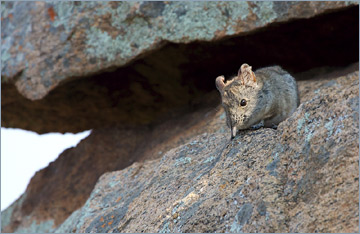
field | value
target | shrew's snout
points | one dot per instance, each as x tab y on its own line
233	132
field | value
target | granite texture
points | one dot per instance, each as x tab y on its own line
141	75
74	66
45	43
302	177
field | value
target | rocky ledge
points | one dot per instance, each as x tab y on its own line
159	157
302	177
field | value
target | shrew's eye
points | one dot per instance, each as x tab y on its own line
243	102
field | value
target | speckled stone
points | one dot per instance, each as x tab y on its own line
302	177
74	66
45	43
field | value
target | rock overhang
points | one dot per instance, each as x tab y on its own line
178	77
173	74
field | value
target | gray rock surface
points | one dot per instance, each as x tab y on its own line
46	43
141	74
302	177
74	66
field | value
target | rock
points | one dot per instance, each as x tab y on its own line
66	183
74	66
48	42
302	177
141	75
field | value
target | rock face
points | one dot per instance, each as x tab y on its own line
65	184
88	65
141	75
302	177
76	38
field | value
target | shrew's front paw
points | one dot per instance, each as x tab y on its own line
258	125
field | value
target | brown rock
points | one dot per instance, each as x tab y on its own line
144	81
302	177
64	186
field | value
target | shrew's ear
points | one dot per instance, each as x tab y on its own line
246	75
220	85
